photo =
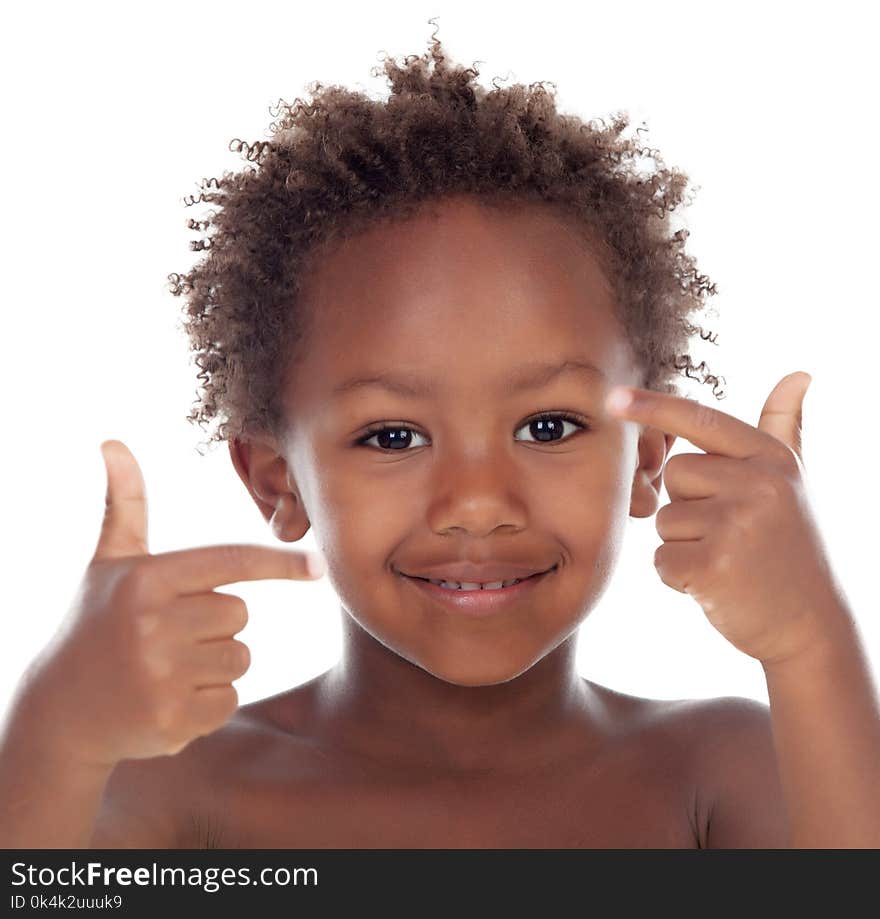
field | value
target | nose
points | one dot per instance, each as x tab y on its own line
477	496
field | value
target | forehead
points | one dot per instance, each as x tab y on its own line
460	291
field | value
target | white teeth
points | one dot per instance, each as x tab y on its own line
495	585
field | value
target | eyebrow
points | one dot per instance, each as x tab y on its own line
530	376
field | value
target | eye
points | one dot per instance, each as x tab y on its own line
390	435
397	438
547	424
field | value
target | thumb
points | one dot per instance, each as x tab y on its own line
783	410
124	529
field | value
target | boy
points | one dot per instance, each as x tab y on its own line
436	409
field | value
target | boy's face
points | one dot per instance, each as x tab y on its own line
463	300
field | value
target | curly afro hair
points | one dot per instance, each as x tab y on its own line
344	162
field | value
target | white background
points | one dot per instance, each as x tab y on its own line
112	113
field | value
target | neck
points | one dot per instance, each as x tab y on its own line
378	704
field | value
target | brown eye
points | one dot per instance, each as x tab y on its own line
549	427
394	438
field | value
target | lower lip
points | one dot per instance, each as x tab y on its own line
480	602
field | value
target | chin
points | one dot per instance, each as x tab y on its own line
476	675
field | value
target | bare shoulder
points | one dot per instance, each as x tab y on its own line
723	749
139	807
740	800
169	802
194	799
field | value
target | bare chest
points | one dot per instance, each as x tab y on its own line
277	800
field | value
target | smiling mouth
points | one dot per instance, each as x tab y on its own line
495	585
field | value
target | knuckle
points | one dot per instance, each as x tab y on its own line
742	516
707	418
145	623
768	486
717	560
139	583
233	555
156	664
149	657
769	489
722	563
150	668
164	715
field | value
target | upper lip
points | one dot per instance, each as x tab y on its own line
464	573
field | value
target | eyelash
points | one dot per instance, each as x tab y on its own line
579	420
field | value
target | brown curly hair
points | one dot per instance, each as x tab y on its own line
344	162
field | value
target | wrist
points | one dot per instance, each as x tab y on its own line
36	732
829	649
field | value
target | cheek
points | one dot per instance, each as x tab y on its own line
609	530
358	552
345	505
588	514
590	496
583	507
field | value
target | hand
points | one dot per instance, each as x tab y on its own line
739	535
143	662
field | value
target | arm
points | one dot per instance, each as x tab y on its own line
826	732
46	802
740	788
49	802
138	809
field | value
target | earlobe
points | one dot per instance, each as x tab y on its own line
279	518
654	447
265	475
289	520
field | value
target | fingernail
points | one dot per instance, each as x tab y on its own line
618	400
316	564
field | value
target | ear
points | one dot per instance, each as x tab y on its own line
654	447
265	475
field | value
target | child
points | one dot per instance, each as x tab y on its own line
411	315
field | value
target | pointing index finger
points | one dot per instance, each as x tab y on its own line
202	569
705	427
